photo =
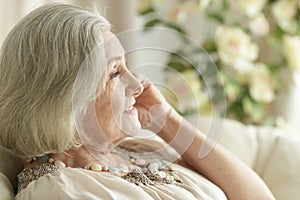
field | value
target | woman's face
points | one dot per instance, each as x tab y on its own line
115	109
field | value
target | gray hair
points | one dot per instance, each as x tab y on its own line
39	63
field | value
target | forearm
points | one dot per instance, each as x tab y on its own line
221	167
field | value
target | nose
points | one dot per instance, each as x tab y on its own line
134	87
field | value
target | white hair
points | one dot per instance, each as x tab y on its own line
39	63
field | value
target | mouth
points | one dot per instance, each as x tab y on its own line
131	109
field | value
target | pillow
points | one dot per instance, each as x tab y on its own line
273	154
239	139
278	162
6	189
10	166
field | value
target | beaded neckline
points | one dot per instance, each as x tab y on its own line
141	172
28	175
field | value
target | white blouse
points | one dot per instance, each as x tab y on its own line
75	183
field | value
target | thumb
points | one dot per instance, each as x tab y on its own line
157	117
143	115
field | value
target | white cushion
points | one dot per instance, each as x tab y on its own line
10	166
278	162
234	136
6	189
271	153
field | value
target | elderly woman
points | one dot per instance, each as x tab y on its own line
67	104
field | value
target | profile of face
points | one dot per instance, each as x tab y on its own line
115	110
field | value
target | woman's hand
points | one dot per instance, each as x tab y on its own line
152	107
219	166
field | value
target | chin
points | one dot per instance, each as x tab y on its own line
131	126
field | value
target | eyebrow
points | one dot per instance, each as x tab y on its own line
116	58
113	49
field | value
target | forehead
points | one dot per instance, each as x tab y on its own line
113	47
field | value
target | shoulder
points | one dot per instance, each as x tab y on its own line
71	183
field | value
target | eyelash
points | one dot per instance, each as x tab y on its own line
116	74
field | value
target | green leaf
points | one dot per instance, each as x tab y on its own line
147	11
210	46
254	109
178	66
152	23
215	17
179	29
175	27
278	32
235	110
274	68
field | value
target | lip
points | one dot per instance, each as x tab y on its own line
130	106
131	110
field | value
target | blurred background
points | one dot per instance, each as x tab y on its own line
254	47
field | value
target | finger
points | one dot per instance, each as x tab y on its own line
143	116
158	115
142	79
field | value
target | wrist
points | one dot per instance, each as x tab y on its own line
171	126
156	117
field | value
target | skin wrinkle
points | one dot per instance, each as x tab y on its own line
50	127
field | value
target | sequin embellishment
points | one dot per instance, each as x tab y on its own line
28	175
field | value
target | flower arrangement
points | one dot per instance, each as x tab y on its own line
254	44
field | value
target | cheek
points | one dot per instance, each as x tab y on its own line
118	102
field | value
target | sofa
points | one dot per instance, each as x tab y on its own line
273	154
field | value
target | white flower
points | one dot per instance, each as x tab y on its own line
184	90
235	48
170	10
197	5
291	45
203	4
284	125
251	7
284	12
259	25
231	91
261	85
177	14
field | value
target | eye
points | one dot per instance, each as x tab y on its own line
115	74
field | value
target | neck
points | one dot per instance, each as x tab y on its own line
81	157
77	156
